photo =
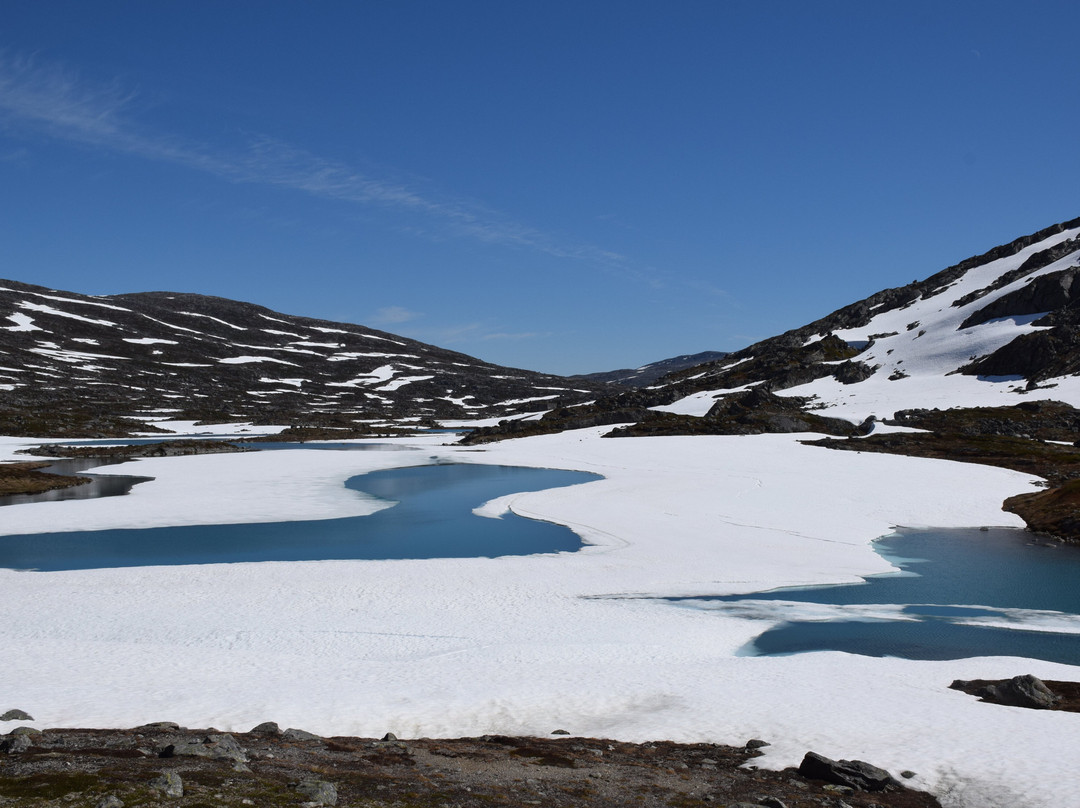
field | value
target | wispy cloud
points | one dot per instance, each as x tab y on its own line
502	335
15	156
473	333
393	314
46	99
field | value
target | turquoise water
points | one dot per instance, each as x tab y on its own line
949	577
433	519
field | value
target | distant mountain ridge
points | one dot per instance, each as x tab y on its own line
208	357
647	374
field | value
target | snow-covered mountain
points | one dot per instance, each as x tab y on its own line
208	357
994	330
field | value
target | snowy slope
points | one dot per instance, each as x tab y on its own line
912	344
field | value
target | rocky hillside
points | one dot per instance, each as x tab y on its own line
990	330
211	358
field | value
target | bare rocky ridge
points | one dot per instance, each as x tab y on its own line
647	374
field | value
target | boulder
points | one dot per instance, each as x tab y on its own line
169	783
1022	691
216	747
293	734
855	774
318	792
16	715
266	728
14	744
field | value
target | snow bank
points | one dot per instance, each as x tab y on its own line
524	645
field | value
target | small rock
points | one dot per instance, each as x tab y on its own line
835	789
160	725
907	774
389	737
266	728
743	805
25	731
111	801
756	743
16	715
185	748
772	802
293	734
169	783
318	792
559	732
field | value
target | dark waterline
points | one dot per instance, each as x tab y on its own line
100	485
433	519
948	575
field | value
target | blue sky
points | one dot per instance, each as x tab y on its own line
561	186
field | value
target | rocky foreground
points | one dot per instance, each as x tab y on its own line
163	764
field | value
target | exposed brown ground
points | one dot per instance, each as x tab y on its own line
26	478
83	767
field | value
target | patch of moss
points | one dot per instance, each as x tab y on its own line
48	786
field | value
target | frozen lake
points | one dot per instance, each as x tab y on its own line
432	519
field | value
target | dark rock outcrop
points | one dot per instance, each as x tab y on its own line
751	412
1035	356
1043	294
1024	691
851	773
1020	691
